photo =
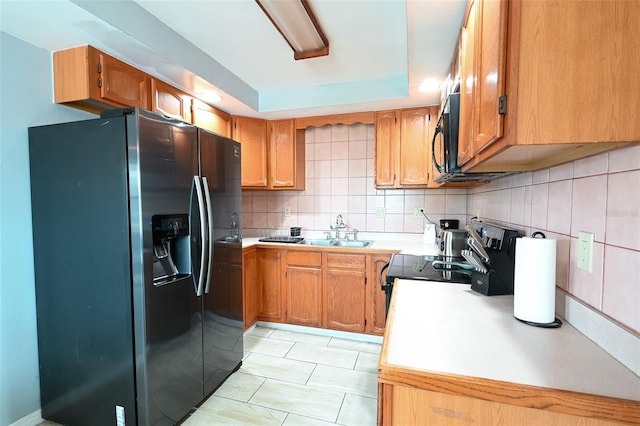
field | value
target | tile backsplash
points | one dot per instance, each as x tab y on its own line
340	180
599	194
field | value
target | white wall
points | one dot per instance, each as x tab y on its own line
26	99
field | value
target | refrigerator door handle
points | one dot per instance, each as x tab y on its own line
203	234
207	197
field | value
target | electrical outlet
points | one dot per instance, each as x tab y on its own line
585	251
287	211
380	212
418	212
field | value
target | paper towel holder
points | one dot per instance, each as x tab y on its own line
556	323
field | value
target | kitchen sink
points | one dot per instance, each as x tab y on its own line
347	243
336	243
319	242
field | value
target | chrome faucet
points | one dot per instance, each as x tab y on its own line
339	223
338	226
235	225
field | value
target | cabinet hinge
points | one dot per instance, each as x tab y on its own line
99	82
502	105
99	68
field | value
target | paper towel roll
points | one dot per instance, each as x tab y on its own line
534	285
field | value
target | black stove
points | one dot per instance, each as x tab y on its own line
412	267
421	268
498	243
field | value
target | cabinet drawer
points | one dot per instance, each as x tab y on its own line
351	261
304	258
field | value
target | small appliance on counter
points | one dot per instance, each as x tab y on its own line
452	242
449	223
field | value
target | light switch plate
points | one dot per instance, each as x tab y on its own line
585	251
287	211
380	212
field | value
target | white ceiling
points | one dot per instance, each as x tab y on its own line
380	50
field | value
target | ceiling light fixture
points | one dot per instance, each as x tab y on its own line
430	85
295	20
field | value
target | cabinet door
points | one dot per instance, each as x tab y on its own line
282	154
304	288
249	286
270	291
467	83
344	282
414	147
252	135
386	146
377	299
122	83
210	118
491	30
168	100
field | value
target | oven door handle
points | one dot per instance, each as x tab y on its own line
383	282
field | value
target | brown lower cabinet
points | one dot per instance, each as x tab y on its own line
376	306
345	280
249	286
269	285
407	404
314	287
303	277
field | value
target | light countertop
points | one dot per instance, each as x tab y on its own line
448	328
402	243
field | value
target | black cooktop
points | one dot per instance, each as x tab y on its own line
412	267
283	239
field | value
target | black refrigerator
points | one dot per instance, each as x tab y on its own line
138	267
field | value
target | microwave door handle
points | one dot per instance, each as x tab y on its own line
203	234
433	147
207	198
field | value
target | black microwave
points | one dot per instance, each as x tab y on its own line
445	139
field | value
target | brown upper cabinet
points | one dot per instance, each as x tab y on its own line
167	100
252	135
286	155
210	118
544	83
89	79
272	153
403	147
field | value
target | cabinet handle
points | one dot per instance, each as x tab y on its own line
502	105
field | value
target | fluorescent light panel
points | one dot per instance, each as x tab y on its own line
295	20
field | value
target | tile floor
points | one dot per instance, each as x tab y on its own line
294	378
